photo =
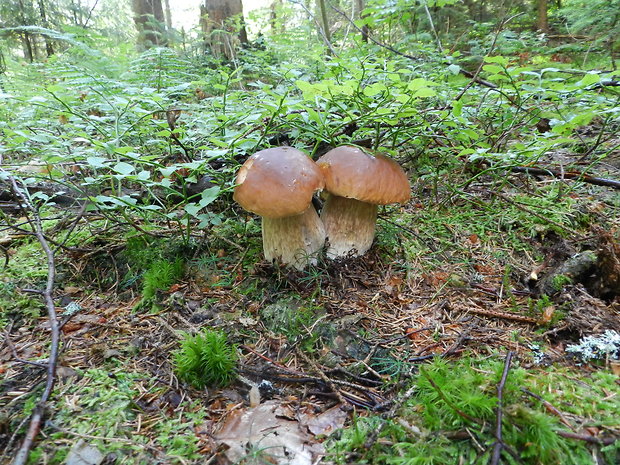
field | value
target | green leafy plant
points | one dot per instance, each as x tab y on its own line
206	359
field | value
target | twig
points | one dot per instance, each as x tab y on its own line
323	376
37	416
549	407
432	24
499	443
567	175
503	315
374	41
587	438
474	76
322	32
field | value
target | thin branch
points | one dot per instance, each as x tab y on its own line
499	443
430	21
39	411
374	41
567	175
374	435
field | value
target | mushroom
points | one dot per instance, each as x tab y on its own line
356	183
278	184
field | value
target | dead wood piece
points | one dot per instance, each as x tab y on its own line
587	438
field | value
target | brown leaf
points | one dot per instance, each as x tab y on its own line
281	441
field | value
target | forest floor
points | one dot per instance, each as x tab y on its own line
509	272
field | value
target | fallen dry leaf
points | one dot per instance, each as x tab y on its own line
260	431
327	422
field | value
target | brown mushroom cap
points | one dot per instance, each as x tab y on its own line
277	182
352	173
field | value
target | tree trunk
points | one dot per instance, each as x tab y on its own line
325	25
274	8
222	24
27	47
149	19
542	23
359	8
49	48
168	15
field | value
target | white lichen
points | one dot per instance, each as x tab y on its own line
603	347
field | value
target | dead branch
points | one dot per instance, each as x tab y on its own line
549	406
39	411
499	443
573	175
587	438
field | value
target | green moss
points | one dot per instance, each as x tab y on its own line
103	404
559	281
452	398
206	359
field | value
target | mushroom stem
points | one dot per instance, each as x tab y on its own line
349	225
294	240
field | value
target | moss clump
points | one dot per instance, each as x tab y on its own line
453	398
206	359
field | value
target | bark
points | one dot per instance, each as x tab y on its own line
168	15
542	22
27	47
149	20
276	26
222	24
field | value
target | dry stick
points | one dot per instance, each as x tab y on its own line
499	443
549	407
37	416
322	32
473	76
567	175
323	376
430	21
587	438
374	41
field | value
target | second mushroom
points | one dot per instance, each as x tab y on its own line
357	182
278	184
